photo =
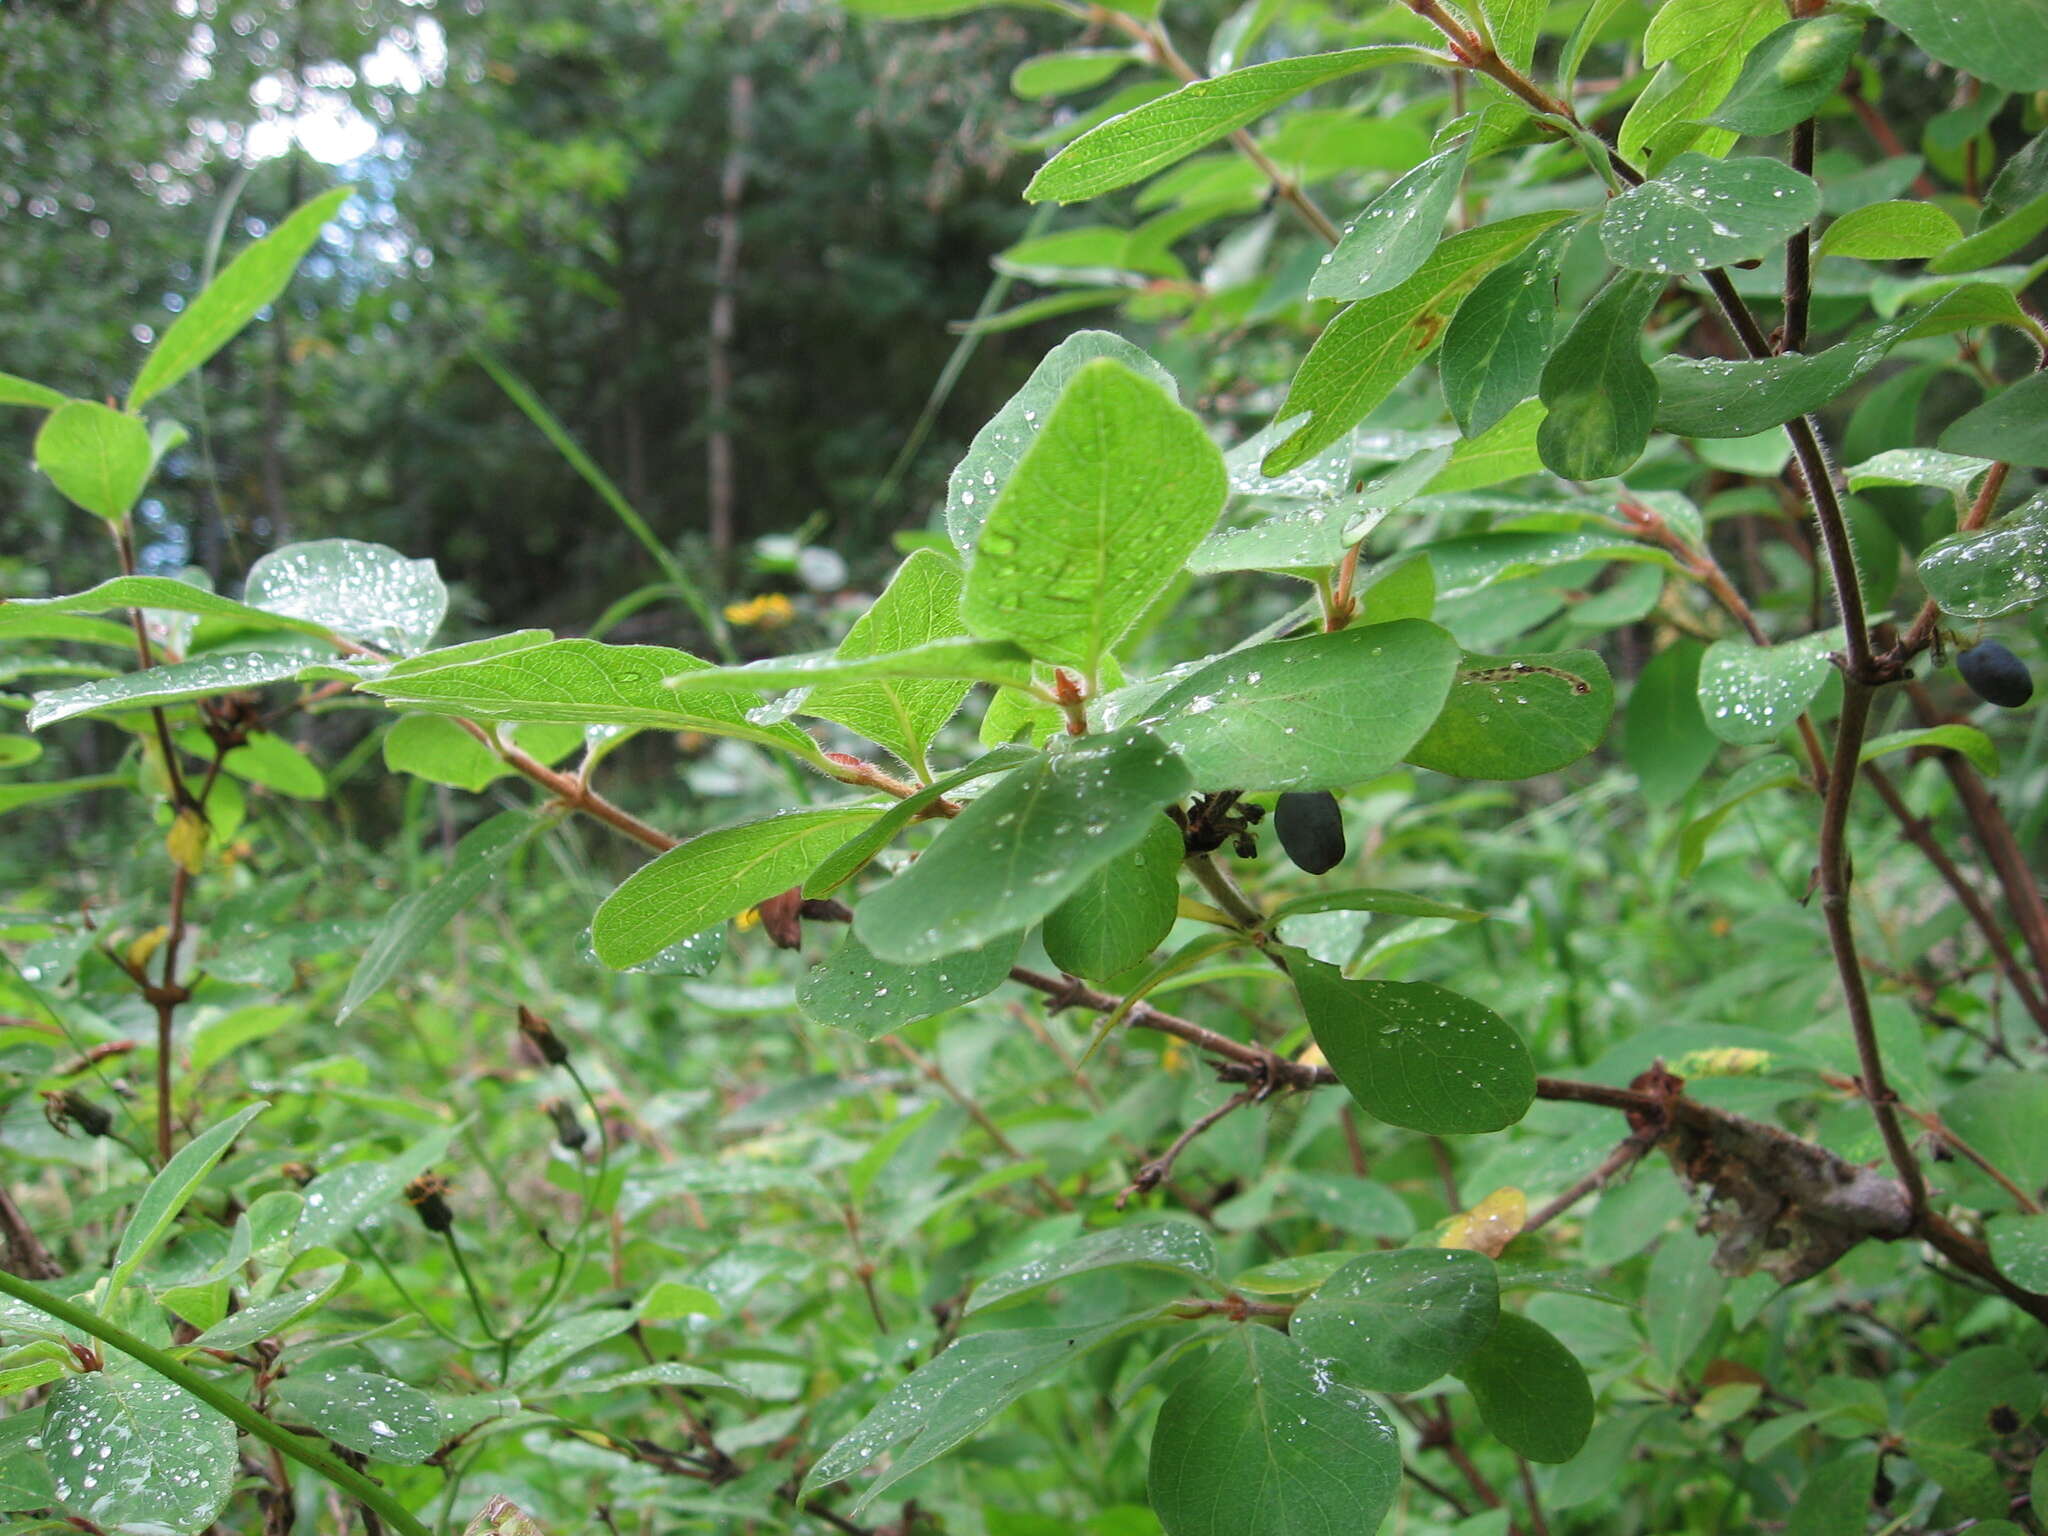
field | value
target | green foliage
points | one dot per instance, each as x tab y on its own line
964	1120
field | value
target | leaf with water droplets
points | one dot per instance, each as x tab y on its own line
1601	395
1024	847
2012	425
1319	712
1414	1054
1385	244
2002	42
1396	1321
97	456
854	991
1133	145
1514	717
1373	344
1122	912
202	677
855	854
1500	338
715	876
980	476
949	1398
1530	1390
1166	1243
1096	521
1993	571
134	1452
366	591
1753	693
479	859
564	1340
1703	213
586	682
921	604
341	1198
373	1415
1259	1441
1955	473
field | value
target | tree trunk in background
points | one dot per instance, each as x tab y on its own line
724	283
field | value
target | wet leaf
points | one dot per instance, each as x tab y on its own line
1258	1441
1703	213
1121	912
1997	570
1601	395
1396	1321
137	1452
372	1415
1385	244
365	591
1752	693
1500	338
1514	717
854	991
1169	1243
920	604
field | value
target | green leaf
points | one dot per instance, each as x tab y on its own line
1258	1441
1949	472
1894	231
1752	693
1700	45
2019	1246
18	751
175	1183
1063	74
716	876
1997	570
1149	138
1168	1243
1504	451
339	1200
1714	398
951	1397
1392	238
1499	339
1396	1321
1835	1500
152	1459
990	460
372	1415
1373	344
1121	912
20	616
202	677
272	1315
1792	74
1318	712
1664	736
366	591
2004	1115
563	1341
20	391
1400	903
1415	1055
1995	240
854	991
921	604
1098	518
2002	42
2012	425
435	748
586	682
1023	847
1775	771
264	759
97	456
1966	739
852	856
480	857
1514	717
17	797
1703	213
1532	1394
1947	1426
1682	1297
1601	395
253	279
975	661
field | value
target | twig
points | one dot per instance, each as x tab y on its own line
1160	1169
1626	1155
936	1074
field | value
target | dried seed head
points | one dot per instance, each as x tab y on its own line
569	1130
69	1108
540	1034
427	1195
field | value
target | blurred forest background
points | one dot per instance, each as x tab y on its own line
581	187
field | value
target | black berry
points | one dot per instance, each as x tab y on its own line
1995	675
1311	829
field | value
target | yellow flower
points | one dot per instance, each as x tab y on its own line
771	610
747	919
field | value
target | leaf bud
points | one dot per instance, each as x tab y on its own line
569	1130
